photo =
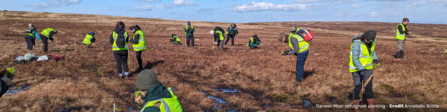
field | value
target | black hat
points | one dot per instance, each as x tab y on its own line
370	35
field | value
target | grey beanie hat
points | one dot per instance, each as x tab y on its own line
370	35
146	79
293	29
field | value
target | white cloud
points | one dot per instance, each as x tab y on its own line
53	3
356	6
144	8
374	14
180	3
150	0
262	6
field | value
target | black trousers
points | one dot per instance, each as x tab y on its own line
121	58
29	42
140	61
358	80
45	43
190	38
228	39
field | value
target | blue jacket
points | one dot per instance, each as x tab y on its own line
356	52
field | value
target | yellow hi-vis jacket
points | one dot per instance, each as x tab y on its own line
166	104
365	58
303	45
115	37
398	35
87	39
46	32
141	45
221	35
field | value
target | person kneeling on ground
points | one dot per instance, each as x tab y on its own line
298	47
155	96
175	39
89	39
361	57
6	77
253	42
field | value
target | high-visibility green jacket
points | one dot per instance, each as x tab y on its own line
46	32
115	37
302	44
141	45
400	36
220	34
87	39
188	31
166	104
176	38
365	57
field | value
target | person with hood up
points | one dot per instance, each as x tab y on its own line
361	59
253	42
153	96
47	34
139	44
30	36
231	33
89	39
189	31
119	39
219	36
299	47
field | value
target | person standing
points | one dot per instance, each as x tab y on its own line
119	39
361	59
47	34
139	44
89	39
298	47
401	33
189	31
231	33
219	36
30	35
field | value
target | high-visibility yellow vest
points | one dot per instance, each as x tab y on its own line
221	35
176	38
141	46
166	104
114	46
398	35
30	34
251	40
297	29
365	58
87	39
46	32
303	45
186	27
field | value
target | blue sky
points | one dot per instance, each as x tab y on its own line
244	11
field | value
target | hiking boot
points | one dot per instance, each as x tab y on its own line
232	46
397	55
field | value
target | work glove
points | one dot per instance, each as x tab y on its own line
284	52
51	39
363	72
377	64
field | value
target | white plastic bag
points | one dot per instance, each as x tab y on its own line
42	58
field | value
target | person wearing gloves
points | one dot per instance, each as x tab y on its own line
6	75
47	34
362	57
189	31
89	39
174	39
299	47
231	33
139	44
153	96
253	42
30	36
118	37
219	36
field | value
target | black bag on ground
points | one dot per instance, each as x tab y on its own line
121	41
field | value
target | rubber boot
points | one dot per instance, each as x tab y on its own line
397	55
356	104
371	102
401	54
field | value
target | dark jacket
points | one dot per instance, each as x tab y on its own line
218	29
118	30
402	32
50	36
93	35
234	29
137	36
3	88
190	31
158	91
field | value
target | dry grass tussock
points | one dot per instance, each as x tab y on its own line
264	80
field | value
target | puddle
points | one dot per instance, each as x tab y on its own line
228	90
14	91
217	99
307	103
220	102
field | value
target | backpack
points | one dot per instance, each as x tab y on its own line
121	41
309	36
233	32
